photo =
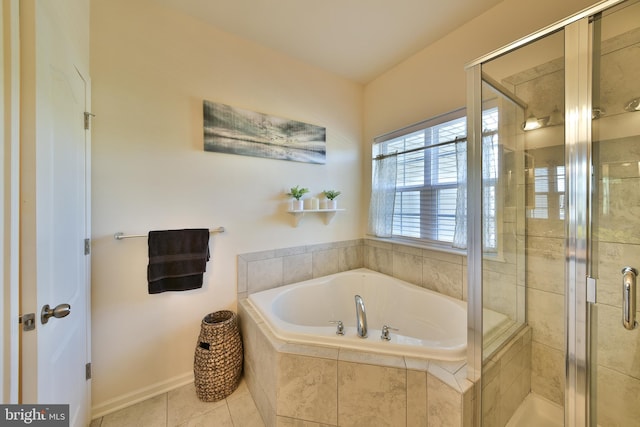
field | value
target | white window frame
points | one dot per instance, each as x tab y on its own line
427	237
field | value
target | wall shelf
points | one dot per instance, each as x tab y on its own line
328	214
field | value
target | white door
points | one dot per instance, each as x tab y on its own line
62	271
60	352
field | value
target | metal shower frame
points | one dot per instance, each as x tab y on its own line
578	106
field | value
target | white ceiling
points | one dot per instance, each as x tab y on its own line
357	39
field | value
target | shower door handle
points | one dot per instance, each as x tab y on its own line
629	297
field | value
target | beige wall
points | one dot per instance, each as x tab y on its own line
151	69
433	81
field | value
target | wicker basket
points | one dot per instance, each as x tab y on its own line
217	364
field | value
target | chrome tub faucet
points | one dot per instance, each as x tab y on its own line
361	317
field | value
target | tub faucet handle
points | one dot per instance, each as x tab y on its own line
385	332
339	326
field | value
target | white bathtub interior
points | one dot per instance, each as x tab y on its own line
429	324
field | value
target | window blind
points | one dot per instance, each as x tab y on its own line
427	178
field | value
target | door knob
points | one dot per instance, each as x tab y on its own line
61	310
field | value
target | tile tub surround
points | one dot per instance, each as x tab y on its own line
297	384
438	271
506	379
326	370
258	271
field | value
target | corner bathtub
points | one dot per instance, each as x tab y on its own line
430	325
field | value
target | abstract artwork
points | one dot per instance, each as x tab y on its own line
236	131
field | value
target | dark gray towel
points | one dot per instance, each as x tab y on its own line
177	259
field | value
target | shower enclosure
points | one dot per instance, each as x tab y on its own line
554	221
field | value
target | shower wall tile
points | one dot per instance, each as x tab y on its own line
491	399
515	377
521	293
513	396
617	398
307	388
615	88
371	395
545	264
500	293
544	91
545	227
513	361
506	379
612	257
619	224
546	317
618	348
297	268
509	214
547	372
521	261
498	266
616	153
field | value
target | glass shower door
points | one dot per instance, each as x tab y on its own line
523	225
615	358
574	163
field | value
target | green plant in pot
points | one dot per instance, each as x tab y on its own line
331	198
297	193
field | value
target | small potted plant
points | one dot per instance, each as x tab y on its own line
331	198
297	193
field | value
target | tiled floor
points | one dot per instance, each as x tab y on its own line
182	408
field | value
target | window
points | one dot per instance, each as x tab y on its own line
427	178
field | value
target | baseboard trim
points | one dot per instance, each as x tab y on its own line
140	395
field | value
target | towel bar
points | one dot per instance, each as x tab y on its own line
120	235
